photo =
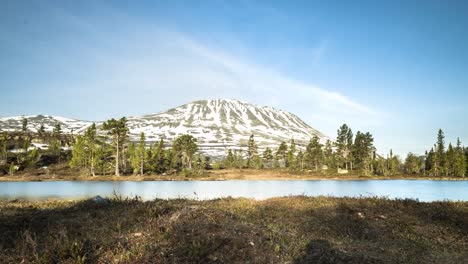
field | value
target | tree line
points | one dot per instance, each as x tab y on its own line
111	152
352	153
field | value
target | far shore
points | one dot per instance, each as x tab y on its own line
217	175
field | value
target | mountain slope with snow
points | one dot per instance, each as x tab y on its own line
217	124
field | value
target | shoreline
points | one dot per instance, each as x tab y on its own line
221	175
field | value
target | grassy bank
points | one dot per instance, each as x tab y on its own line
62	172
279	230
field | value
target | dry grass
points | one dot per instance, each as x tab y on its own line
279	230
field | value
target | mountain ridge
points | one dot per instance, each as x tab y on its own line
218	124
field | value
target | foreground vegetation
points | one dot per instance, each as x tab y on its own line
279	230
107	150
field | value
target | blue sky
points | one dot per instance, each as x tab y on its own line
395	68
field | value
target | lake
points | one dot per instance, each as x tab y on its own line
424	190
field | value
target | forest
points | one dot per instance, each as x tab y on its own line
107	150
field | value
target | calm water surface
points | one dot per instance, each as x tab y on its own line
424	190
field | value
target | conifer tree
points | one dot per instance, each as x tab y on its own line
92	145
329	155
229	160
291	155
460	160
252	152
79	156
412	164
363	151
440	158
141	153
185	147
344	142
315	153
117	129
268	156
300	160
24	127
281	153
450	158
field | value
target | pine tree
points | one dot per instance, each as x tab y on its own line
268	156
141	152
291	156
315	153
230	159
281	152
363	151
412	164
185	147
329	155
79	153
24	127
91	143
252	152
117	129
344	143
3	148
300	160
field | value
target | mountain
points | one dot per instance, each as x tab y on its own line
68	125
217	124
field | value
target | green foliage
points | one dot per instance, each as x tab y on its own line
344	145
314	154
412	164
118	130
184	148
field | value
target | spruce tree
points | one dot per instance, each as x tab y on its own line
450	157
440	157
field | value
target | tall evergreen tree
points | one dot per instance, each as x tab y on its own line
117	129
460	160
252	153
291	155
185	147
329	155
315	153
412	164
268	156
24	126
281	153
440	157
92	146
363	151
344	142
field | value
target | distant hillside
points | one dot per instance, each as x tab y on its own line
217	124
